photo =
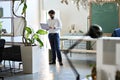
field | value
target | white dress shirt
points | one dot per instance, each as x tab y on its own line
55	24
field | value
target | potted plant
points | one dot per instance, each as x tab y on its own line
31	54
31	37
93	74
31	50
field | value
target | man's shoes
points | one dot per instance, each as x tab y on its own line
52	63
61	64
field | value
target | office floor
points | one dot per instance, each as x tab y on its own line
56	72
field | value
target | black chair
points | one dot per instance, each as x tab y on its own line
7	56
16	55
12	54
2	43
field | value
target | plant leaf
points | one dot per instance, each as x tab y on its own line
24	8
40	42
92	65
87	76
41	32
29	40
32	40
36	37
29	30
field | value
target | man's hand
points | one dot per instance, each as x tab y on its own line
50	27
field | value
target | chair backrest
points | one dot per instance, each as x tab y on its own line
12	53
16	53
16	49
2	43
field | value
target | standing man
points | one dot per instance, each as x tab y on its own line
54	38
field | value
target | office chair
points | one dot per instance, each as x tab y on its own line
2	43
13	54
16	55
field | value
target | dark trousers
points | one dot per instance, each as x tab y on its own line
54	40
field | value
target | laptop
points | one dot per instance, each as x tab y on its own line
44	26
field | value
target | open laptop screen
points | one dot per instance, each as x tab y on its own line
44	26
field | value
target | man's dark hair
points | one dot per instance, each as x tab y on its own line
51	12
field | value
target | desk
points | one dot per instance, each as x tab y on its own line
8	46
83	38
107	58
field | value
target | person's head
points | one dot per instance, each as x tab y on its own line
51	14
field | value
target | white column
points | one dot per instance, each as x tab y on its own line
33	14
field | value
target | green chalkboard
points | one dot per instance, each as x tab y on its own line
105	15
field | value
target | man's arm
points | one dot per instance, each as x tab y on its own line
58	24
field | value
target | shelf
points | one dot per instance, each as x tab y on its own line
6	17
9	0
6	34
15	43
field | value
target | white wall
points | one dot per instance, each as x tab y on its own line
69	14
33	14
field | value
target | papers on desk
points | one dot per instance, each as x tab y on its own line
44	26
